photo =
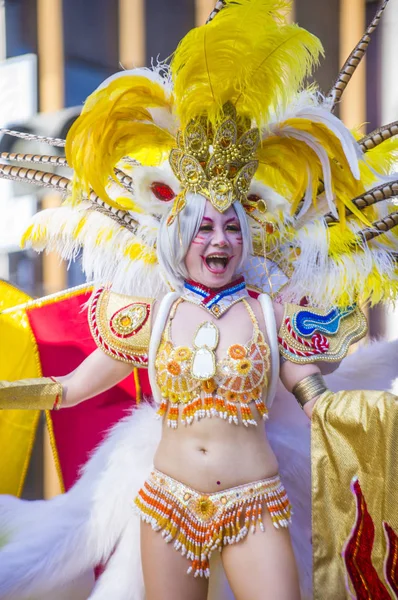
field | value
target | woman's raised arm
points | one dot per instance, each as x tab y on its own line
97	373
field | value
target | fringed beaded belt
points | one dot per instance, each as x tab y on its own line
200	523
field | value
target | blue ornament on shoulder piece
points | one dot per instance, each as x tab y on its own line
306	323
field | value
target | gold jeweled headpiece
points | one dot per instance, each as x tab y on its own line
219	165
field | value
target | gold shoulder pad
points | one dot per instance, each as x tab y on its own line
121	325
309	335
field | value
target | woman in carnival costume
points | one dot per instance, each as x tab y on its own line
223	180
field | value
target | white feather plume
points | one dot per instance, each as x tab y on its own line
50	543
70	231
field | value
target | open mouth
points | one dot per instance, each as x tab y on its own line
216	263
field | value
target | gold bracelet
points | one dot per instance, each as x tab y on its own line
43	393
308	388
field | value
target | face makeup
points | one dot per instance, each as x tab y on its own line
216	251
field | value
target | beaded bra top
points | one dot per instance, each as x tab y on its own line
238	382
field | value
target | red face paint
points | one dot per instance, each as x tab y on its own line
216	250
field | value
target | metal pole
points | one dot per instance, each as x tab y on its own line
51	95
352	26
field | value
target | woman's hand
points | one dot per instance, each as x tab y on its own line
96	374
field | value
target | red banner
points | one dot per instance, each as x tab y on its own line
63	337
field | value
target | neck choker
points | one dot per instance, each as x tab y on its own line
216	301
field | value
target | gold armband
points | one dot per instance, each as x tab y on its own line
309	388
43	393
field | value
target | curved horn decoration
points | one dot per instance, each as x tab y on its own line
131	161
219	6
353	60
30	137
62	185
378	136
36	177
59	161
379	227
120	216
125	180
376	194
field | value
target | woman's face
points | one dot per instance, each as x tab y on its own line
215	253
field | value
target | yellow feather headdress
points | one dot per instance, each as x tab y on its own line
230	119
248	55
118	120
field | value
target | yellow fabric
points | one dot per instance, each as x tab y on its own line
18	359
138	392
54	449
354	434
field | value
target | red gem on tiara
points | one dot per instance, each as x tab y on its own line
162	191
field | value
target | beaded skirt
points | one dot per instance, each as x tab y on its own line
200	523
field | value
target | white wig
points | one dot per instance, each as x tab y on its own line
174	240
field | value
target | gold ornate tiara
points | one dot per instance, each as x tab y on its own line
218	165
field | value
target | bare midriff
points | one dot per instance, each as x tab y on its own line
212	454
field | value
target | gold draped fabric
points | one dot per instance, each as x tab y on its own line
19	359
354	450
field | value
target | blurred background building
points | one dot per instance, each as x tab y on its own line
54	53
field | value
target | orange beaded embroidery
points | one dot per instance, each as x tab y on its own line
201	523
239	381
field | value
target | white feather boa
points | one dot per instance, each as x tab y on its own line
49	545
